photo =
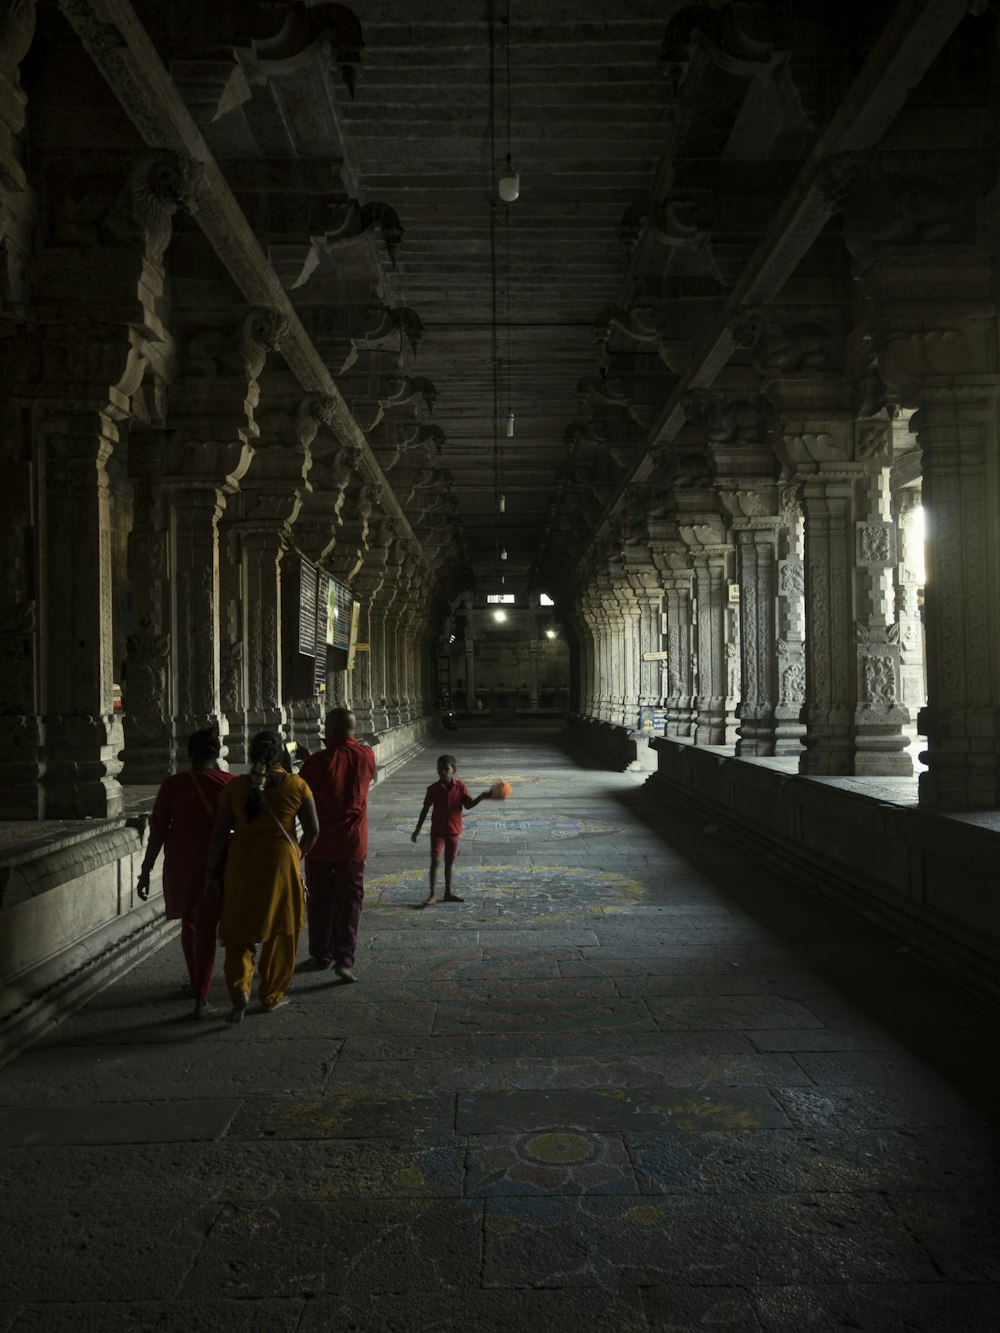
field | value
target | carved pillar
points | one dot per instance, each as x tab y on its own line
83	736
533	670
716	634
195	511
678	679
961	494
590	654
908	579
17	197
930	311
626	700
365	587
853	718
145	674
397	582
256	534
791	621
98	294
470	669
757	571
214	430
609	625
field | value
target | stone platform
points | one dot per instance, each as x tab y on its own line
635	1082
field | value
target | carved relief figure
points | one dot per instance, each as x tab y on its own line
145	671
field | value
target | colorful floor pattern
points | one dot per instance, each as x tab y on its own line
632	1083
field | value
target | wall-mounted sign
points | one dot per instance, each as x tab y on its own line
308	585
339	601
652	721
655	657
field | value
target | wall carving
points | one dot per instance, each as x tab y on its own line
145	683
879	677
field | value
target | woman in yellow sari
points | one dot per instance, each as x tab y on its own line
262	896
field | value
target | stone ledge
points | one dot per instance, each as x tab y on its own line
925	880
398	745
627	751
34	1002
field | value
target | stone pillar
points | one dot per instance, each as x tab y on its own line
591	651
609	631
853	717
907	579
194	541
98	292
146	682
21	725
678	694
650	641
533	670
716	631
757	571
470	668
214	433
263	552
258	530
365	588
626	701
791	621
961	494
83	736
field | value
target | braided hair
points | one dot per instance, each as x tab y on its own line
265	752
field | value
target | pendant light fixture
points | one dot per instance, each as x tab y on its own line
509	182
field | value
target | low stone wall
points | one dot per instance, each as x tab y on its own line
70	920
396	747
625	750
928	881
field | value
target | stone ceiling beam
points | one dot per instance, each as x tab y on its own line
118	43
908	44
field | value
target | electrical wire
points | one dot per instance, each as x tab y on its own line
494	341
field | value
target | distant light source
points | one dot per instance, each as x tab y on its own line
500	616
503	553
545	600
509	184
502	506
550	634
510	423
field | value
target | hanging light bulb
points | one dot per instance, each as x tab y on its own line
510	423
503	553
503	503
509	184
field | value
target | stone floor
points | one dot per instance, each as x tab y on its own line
632	1083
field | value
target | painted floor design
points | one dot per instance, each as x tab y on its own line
634	1082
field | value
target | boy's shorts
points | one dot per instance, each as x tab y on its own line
445	844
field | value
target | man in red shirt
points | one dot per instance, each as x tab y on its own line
446	798
339	777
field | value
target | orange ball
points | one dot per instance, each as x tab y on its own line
500	790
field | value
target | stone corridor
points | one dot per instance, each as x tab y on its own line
633	1083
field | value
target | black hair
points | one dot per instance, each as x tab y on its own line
336	721
448	759
204	745
265	752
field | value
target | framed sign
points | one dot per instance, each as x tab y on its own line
308	584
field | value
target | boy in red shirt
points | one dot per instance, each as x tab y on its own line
339	777
447	798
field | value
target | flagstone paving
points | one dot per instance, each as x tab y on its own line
634	1082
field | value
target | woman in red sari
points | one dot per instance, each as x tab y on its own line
181	823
